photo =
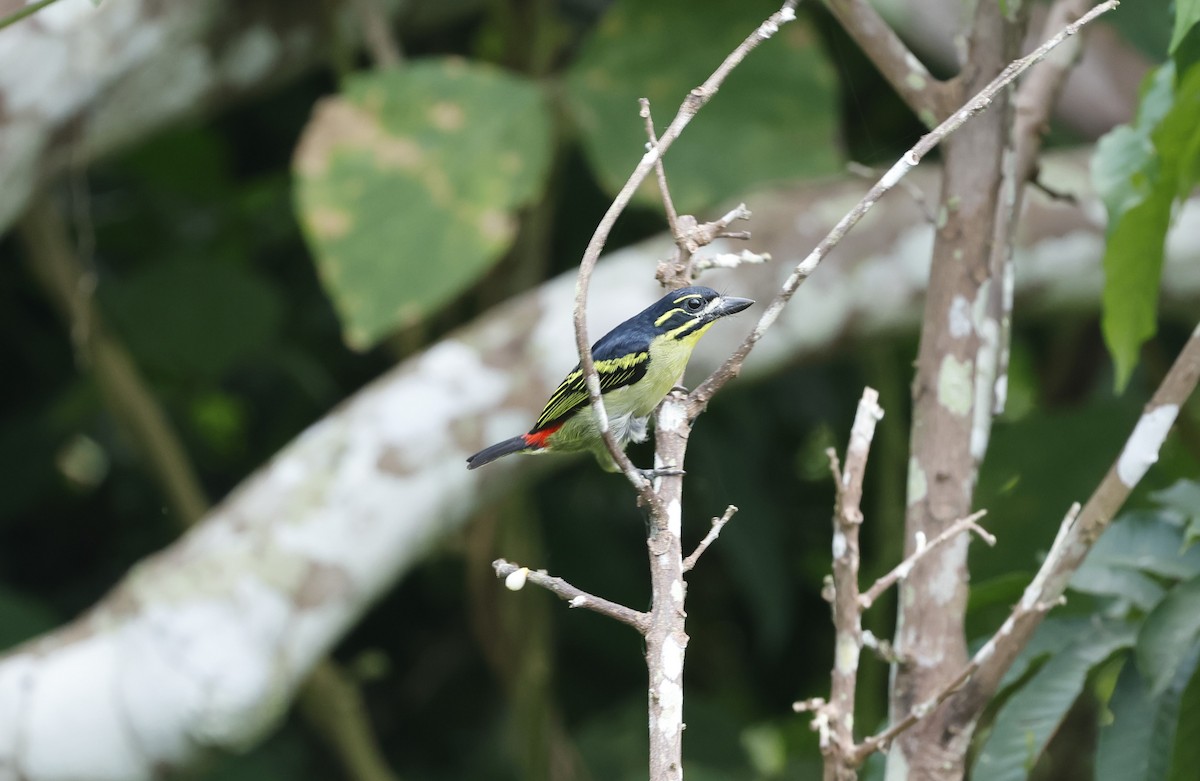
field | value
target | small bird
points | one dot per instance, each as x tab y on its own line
638	362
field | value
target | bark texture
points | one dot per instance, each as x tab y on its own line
203	645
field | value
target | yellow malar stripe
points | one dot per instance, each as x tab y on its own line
690	328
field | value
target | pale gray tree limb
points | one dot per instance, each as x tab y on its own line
204	644
80	80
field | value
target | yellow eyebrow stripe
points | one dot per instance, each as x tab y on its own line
685	298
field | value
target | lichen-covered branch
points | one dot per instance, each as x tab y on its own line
184	653
515	577
847	614
1080	530
975	105
921	549
71	287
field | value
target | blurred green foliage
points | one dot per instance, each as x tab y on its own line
1143	171
204	273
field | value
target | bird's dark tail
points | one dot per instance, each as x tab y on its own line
490	454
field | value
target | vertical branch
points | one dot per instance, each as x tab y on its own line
847	612
1034	102
952	406
666	638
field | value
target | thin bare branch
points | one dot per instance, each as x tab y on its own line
660	170
914	192
696	99
838	712
718	523
1076	536
901	570
732	366
515	576
730	259
977	682
1035	100
880	741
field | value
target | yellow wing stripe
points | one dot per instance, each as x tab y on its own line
572	391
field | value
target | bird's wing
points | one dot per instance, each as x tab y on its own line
617	365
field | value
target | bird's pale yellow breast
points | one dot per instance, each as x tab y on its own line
668	359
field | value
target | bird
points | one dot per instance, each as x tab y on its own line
638	363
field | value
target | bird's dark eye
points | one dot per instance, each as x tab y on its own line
694	305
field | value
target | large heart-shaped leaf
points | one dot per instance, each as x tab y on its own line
407	183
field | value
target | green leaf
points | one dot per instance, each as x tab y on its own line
1186	756
194	318
407	185
1125	171
1140	173
1177	138
1055	634
1030	717
1184	497
1138	545
775	118
1136	744
1187	14
1169	635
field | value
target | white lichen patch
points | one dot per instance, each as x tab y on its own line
674	517
1142	448
839	544
918	485
945	581
846	654
670	703
987	361
672	658
956	385
960	324
671	417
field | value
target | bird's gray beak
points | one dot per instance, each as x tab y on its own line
730	305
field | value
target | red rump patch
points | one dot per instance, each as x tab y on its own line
537	439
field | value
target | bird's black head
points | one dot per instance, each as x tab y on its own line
690	309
